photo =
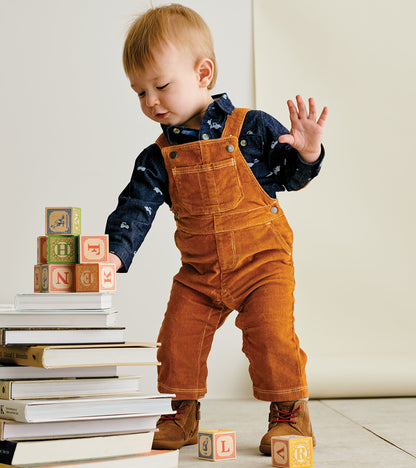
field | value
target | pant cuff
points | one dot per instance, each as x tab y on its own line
183	393
281	395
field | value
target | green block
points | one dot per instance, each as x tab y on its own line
62	249
63	221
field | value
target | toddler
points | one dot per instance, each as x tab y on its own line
218	167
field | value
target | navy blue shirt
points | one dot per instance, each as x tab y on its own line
276	166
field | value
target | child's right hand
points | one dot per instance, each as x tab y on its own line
114	259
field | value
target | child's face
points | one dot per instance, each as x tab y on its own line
174	90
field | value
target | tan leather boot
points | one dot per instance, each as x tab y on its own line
177	430
287	418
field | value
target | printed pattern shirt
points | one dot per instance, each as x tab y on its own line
276	166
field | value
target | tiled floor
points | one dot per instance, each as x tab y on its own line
365	433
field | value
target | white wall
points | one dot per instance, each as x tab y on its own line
71	129
354	225
70	132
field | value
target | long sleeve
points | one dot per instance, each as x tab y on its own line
128	225
277	166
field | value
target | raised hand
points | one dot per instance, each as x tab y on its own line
306	132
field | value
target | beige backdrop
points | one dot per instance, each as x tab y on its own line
71	128
354	225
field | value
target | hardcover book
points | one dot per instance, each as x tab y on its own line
152	459
66	301
63	450
59	388
14	430
53	356
75	335
58	318
64	409
15	372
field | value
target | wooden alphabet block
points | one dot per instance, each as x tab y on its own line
57	249
63	221
57	278
93	249
42	249
216	444
292	451
37	279
95	277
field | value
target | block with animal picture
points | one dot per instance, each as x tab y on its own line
63	221
95	277
93	249
56	278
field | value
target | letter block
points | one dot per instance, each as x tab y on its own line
57	249
42	249
292	451
63	221
93	249
216	444
56	278
95	277
37	279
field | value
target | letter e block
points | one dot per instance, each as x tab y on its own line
57	278
95	277
93	249
216	444
63	221
292	451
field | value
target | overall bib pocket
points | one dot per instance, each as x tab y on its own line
208	188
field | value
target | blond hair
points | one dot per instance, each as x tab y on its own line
160	26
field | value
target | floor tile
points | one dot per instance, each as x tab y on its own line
393	419
341	439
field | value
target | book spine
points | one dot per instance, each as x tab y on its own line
5	389
13	410
7	449
22	355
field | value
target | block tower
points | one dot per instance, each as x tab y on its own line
68	261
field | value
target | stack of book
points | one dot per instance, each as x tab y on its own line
62	401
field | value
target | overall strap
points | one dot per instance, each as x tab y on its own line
232	126
234	122
162	141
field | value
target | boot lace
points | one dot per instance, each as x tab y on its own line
176	416
281	416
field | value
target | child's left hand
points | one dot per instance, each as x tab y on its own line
306	133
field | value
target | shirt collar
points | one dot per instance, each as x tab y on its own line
216	112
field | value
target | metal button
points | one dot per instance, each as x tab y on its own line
274	209
205	136
229	148
173	154
243	142
176	131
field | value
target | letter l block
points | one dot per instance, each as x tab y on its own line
216	444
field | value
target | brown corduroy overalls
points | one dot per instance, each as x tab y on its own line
236	250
